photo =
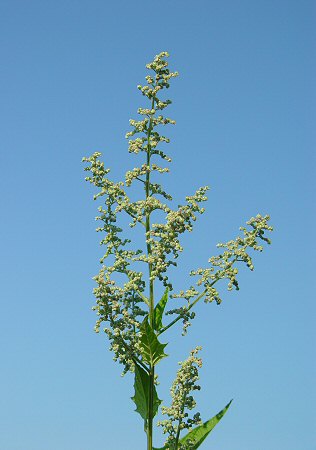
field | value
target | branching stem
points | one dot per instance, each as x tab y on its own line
180	317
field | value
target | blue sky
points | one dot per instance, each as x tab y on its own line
245	110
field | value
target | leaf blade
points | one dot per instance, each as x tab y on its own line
159	310
141	397
151	349
200	433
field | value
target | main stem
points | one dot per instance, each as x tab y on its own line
151	298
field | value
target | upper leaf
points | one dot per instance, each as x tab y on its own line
151	349
159	309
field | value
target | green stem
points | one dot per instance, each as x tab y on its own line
151	295
134	357
180	317
192	304
142	297
134	217
179	422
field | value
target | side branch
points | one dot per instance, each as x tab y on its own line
190	307
135	358
135	217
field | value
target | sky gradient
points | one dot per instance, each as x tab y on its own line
245	109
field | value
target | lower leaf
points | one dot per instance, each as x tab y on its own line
196	436
141	397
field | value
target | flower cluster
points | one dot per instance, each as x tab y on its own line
145	169
184	313
156	83
223	265
148	139
182	401
121	309
120	304
163	238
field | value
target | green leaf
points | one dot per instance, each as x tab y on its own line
141	397
198	434
159	309
151	349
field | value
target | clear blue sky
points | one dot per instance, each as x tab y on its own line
245	110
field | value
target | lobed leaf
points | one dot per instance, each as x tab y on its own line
151	349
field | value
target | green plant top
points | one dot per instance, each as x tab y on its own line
125	292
